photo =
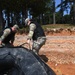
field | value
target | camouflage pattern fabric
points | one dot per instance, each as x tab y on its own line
31	30
5	34
38	44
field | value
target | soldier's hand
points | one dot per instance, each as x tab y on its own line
28	41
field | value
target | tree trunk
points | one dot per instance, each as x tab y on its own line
1	20
61	12
74	12
54	12
8	19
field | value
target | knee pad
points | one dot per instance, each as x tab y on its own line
36	46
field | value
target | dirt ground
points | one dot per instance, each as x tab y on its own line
58	51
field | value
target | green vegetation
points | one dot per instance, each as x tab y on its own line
58	26
42	11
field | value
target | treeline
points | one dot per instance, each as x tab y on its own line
43	11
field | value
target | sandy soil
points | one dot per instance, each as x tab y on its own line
58	52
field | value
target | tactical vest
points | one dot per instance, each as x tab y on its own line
9	37
38	32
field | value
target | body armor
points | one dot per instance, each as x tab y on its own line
38	32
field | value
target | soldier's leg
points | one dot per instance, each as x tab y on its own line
35	47
41	40
2	45
8	45
38	44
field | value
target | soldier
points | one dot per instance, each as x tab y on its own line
36	33
8	36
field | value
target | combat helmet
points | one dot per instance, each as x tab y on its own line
26	21
16	27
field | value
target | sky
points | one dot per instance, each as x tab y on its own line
58	2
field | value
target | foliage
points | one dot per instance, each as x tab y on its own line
64	26
41	10
65	5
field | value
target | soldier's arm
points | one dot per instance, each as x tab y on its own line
31	31
5	34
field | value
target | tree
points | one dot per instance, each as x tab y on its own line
71	5
18	9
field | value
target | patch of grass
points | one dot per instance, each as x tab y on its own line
50	26
57	26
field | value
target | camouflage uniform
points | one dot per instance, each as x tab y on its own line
37	34
7	37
